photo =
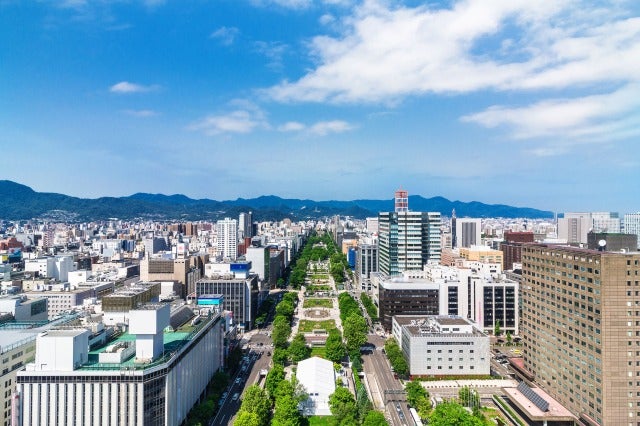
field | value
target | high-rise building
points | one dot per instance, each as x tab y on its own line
227	234
245	221
580	324
632	224
468	232
366	263
407	241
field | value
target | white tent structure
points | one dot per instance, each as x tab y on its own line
318	377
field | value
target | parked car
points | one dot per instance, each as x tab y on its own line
235	396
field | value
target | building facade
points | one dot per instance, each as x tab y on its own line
241	297
437	346
154	379
407	241
227	238
631	224
468	232
581	329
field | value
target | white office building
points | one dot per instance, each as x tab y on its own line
437	346
227	238
152	377
632	224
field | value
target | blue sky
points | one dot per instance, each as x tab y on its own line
521	102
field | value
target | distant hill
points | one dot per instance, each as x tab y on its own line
21	202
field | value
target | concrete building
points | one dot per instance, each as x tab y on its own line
482	254
185	270
241	297
366	264
372	225
436	346
227	238
580	325
23	308
259	258
318	378
152	377
476	291
468	232
605	241
61	301
573	227
17	348
116	306
631	225
407	241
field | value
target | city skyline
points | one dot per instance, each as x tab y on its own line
521	103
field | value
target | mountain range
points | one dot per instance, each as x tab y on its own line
19	202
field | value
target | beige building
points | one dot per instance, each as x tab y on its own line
581	330
481	254
185	270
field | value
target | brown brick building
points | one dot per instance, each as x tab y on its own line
512	247
581	329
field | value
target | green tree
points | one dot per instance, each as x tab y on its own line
281	331
396	358
273	379
453	414
415	392
509	338
280	356
281	283
355	331
334	347
255	400
375	418
496	328
286	412
342	405
285	308
246	418
298	349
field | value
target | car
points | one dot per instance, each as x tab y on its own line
235	396
238	381
224	395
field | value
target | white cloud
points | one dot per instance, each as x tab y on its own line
226	35
142	113
291	126
124	87
326	19
242	120
386	53
588	118
323	128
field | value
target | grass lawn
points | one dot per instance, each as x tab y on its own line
320	351
307	326
318	303
320	420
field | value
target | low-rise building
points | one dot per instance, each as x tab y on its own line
442	346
